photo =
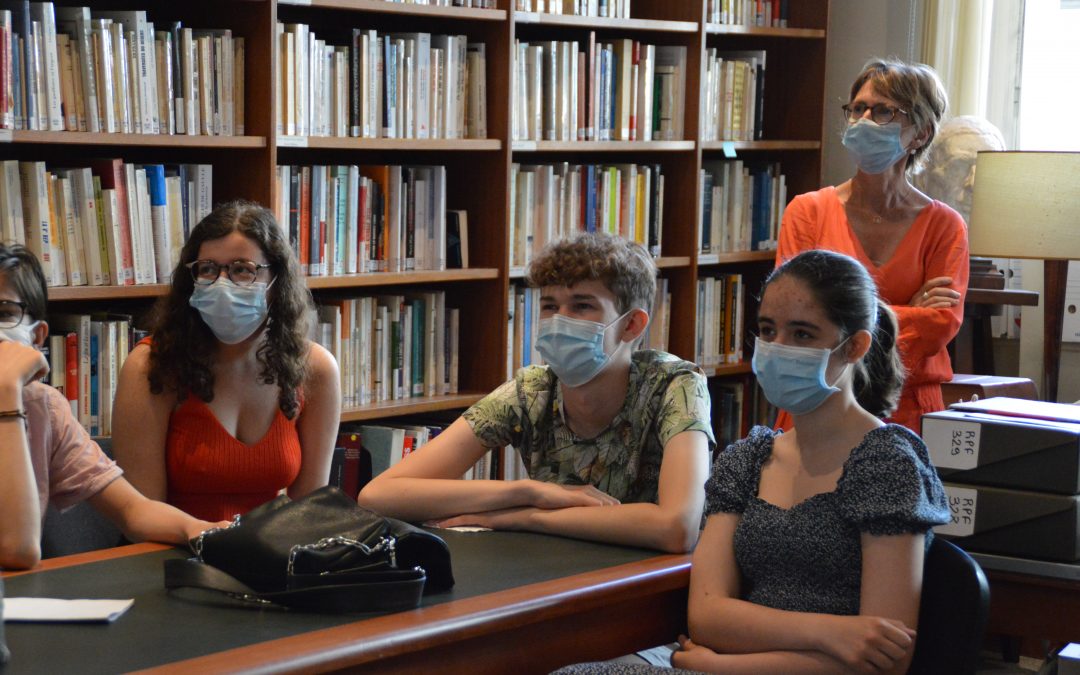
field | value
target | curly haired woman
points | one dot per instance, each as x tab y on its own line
229	402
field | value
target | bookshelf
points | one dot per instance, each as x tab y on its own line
478	169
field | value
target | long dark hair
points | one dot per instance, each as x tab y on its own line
184	348
849	297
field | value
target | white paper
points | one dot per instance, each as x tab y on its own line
55	609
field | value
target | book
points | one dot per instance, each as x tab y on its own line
457	239
386	445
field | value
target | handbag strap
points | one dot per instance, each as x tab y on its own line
391	591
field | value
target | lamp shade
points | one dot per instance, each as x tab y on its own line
1026	205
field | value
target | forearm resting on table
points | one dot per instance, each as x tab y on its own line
645	525
424	499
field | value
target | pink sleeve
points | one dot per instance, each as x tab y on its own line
78	469
925	332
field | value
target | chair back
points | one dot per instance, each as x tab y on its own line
79	529
953	610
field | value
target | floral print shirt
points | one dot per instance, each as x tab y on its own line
666	396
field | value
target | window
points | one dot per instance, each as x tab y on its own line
1049	97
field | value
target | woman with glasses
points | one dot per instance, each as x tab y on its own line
914	247
229	402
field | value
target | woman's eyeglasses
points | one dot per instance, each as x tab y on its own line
240	272
881	113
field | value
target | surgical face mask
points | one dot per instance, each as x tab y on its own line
574	348
793	378
232	312
22	333
874	147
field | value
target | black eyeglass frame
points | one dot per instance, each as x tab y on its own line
851	117
228	271
22	313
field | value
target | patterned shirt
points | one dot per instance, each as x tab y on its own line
808	558
665	396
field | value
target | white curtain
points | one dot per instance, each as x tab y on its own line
956	43
975	46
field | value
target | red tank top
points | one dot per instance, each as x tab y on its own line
213	476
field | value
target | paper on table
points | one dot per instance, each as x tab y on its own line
55	609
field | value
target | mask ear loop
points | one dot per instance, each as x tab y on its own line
847	364
621	341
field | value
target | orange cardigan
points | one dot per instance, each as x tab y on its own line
935	246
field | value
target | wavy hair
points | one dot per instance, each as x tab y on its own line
849	298
625	268
183	349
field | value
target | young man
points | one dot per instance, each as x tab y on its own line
44	452
616	442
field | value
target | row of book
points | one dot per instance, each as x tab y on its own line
721	302
111	223
391	347
608	9
734	98
476	4
554	201
742	206
86	353
769	13
523	314
73	69
382	85
363	451
350	219
621	90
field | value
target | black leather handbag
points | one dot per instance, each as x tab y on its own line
321	552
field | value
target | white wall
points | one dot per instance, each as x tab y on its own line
859	30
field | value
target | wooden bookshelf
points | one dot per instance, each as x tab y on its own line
478	170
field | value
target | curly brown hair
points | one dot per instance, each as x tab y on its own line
625	268
183	349
918	90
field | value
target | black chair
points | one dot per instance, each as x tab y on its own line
952	613
79	529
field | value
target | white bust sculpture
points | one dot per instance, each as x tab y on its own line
948	173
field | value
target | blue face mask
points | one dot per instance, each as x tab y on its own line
874	147
793	378
574	348
231	312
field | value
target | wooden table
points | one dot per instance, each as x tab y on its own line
523	603
1032	600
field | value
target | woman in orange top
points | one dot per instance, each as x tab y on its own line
230	402
915	247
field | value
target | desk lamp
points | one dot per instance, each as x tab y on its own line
1027	205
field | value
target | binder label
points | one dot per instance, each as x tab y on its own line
953	444
962	505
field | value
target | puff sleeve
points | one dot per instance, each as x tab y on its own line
735	472
889	486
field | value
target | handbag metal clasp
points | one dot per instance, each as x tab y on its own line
387	544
